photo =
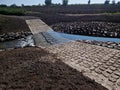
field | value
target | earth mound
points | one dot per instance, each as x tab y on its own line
36	69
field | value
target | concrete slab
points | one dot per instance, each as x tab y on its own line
43	35
36	26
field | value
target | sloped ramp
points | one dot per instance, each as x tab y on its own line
43	35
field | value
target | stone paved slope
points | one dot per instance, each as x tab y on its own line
98	63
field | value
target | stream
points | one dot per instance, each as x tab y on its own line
19	43
54	38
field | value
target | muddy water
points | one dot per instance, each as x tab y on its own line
28	41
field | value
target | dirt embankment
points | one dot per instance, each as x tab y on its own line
75	9
12	24
53	18
91	13
13	27
36	69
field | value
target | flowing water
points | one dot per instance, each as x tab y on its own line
28	41
82	37
52	37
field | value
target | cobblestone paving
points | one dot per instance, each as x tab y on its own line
98	63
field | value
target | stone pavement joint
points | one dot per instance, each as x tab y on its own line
98	63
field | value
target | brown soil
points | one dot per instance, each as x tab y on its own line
36	69
76	13
12	24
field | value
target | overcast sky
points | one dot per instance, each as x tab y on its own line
36	2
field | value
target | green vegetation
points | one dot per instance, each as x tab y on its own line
12	11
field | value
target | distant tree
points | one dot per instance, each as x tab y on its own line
13	5
56	4
107	2
59	4
65	2
113	2
118	2
3	5
48	2
22	5
89	2
39	4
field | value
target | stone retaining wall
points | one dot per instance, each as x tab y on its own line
12	36
100	29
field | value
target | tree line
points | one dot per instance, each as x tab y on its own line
49	2
65	2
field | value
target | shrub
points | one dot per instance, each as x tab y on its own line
3	5
107	2
12	11
13	5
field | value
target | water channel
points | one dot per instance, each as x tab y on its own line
54	38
